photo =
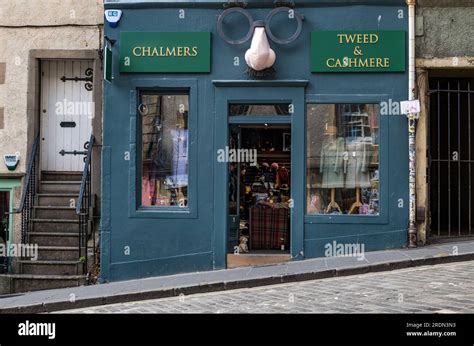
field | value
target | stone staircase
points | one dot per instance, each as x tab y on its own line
55	228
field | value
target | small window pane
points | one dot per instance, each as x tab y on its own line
4	209
343	159
165	136
259	109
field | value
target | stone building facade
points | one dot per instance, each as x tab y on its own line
33	33
444	53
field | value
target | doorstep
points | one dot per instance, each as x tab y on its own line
245	277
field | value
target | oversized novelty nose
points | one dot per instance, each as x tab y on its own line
260	56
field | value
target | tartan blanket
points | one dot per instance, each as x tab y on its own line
269	228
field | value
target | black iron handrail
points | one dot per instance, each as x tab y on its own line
28	192
30	173
83	207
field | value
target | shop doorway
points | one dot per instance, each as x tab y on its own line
259	189
251	106
67	110
451	154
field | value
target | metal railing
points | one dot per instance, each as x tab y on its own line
4	229
84	208
28	192
27	199
451	157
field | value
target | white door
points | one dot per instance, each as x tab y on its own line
67	111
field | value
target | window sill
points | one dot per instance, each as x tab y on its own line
346	219
163	213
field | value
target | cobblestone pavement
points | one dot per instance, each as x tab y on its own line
447	288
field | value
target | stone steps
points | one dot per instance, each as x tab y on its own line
57	199
59	186
55	212
58	253
26	282
51	267
60	176
67	239
55	225
55	230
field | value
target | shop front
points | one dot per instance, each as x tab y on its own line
240	134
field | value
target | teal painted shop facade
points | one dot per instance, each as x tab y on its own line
146	234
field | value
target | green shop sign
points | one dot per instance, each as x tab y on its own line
358	51
165	52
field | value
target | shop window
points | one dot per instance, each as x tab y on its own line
260	109
343	159
164	149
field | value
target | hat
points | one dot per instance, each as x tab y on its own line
275	165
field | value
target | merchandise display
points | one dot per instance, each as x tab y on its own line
343	166
269	226
164	150
332	163
356	165
259	197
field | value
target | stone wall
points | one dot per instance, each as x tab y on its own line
445	41
445	29
26	27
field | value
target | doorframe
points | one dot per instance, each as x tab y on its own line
426	68
34	102
424	140
259	92
40	102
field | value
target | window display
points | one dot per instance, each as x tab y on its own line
164	120
343	159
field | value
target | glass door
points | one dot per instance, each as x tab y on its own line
259	156
234	193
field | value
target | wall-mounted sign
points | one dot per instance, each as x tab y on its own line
165	52
358	51
410	107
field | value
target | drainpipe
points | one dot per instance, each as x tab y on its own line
412	236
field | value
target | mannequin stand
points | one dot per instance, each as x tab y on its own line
357	203
333	204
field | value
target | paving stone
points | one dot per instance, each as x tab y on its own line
376	283
366	293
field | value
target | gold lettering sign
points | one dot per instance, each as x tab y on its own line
177	51
358	51
358	38
358	61
165	52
